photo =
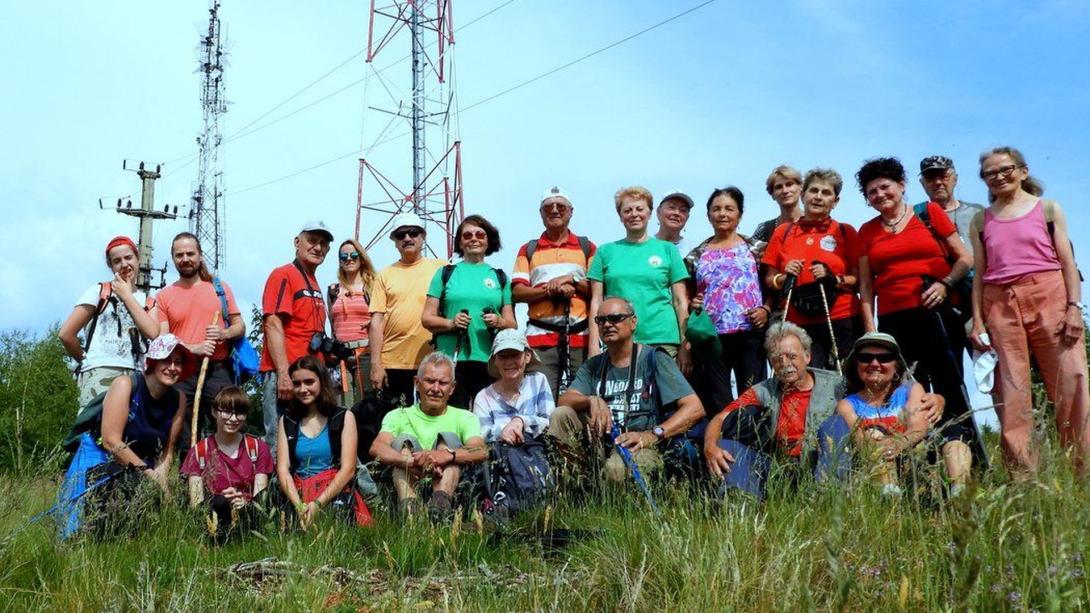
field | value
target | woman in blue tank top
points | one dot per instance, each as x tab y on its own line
316	447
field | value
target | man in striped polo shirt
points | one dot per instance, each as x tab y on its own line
550	275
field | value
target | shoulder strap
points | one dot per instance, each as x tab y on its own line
332	292
444	278
251	446
501	276
104	292
531	247
336	426
202	453
291	432
1049	207
223	299
584	245
920	209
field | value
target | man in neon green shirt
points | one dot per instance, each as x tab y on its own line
430	438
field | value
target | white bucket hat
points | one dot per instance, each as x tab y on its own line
509	338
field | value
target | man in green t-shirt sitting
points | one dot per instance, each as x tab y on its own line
430	439
610	387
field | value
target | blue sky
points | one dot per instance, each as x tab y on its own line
717	97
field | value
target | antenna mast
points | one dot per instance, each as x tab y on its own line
207	214
436	192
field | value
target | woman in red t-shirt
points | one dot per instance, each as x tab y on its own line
820	253
910	268
349	315
230	468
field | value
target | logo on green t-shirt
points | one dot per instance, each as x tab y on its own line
655	261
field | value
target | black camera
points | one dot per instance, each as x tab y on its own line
334	350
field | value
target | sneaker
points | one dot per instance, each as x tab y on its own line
440	507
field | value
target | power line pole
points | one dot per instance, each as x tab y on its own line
207	214
147	216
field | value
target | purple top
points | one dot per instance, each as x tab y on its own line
1017	247
728	278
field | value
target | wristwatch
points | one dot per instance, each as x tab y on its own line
659	432
1078	305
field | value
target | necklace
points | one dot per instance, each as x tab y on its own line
893	226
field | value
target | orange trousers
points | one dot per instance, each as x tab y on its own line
1023	319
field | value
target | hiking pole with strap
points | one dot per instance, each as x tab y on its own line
829	320
200	388
563	354
461	335
788	285
630	463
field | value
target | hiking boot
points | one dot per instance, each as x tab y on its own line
440	507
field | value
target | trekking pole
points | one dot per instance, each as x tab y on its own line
788	285
630	463
978	440
460	335
829	320
200	388
563	354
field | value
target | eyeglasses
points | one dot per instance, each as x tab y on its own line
229	414
471	234
867	358
559	207
355	255
410	232
612	318
1002	171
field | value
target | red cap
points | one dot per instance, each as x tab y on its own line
117	241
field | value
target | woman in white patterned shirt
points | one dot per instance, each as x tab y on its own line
515	408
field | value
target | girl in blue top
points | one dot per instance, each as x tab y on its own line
316	447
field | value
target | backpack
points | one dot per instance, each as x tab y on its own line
335	426
519	476
584	246
448	270
89	418
245	362
105	290
369	412
249	441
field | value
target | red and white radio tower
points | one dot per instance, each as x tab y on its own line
436	191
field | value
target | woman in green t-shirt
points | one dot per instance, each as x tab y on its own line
646	271
467	304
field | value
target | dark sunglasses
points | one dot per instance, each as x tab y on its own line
471	234
410	232
355	255
613	318
867	358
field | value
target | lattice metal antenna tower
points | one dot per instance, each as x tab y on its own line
429	111
206	215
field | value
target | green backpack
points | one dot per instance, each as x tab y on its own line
90	419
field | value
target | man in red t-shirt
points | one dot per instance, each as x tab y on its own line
186	309
293	312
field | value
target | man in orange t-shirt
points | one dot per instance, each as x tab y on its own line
186	309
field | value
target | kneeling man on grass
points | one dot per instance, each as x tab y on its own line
430	439
632	386
791	417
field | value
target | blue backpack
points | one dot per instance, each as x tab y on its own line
245	363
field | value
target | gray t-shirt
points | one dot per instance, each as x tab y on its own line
962	217
670	386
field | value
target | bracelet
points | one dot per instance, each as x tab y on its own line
767	310
776	280
947	283
453	456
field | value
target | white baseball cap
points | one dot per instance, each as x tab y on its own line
509	338
677	194
406	220
318	227
555	192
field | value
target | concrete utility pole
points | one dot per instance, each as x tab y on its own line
147	216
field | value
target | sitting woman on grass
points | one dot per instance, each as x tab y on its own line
316	448
883	408
229	469
124	442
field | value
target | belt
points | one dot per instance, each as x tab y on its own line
576	328
357	344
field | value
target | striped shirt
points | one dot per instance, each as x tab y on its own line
351	316
534	404
552	260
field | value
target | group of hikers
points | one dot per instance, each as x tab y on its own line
623	372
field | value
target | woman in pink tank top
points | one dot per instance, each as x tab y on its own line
350	315
1026	295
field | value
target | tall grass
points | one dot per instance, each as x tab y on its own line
1002	546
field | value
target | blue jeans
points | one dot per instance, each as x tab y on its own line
749	472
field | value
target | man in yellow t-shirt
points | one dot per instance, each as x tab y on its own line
398	340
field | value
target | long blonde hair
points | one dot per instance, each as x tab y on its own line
367	269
